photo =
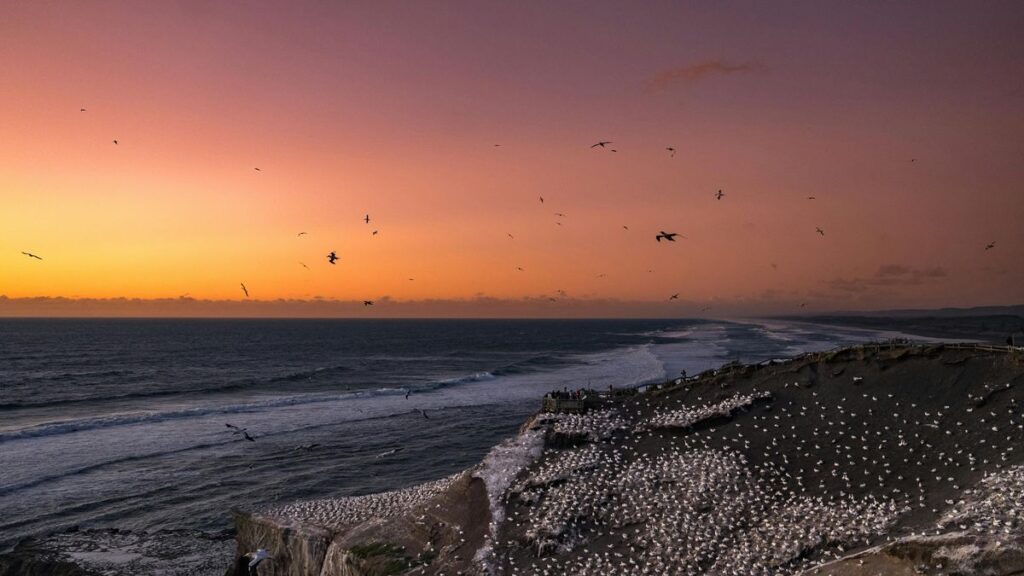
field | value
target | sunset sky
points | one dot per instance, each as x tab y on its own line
904	120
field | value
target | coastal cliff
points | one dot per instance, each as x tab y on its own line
891	458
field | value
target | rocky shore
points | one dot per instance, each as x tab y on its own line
876	459
893	459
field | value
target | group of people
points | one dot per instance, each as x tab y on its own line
566	394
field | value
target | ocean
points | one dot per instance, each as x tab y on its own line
123	423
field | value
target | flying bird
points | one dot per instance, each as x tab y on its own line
719	194
257	169
705	309
302	234
367	302
407	393
803	304
602	144
31	255
246	290
366	219
674	296
256	557
811	198
115	142
552	299
624	227
247	437
541	199
559	214
233	427
988	246
670	236
511	236
820	231
672	150
520	268
81	109
375	232
304	265
332	257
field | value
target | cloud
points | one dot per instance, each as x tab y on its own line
888	276
695	72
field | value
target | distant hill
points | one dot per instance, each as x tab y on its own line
994	328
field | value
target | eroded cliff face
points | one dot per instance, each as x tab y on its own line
438	535
297	549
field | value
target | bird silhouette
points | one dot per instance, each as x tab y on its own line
541	199
602	144
811	198
246	290
674	296
257	169
247	437
31	255
81	109
559	214
367	302
304	265
375	232
520	268
670	236
302	234
719	194
366	219
332	257
989	246
820	231
624	227
115	142
672	150
511	236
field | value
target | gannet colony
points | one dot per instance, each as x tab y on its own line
876	459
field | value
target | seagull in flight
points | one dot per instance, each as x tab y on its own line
247	437
670	236
624	227
672	150
820	231
302	234
674	296
246	290
81	109
31	255
256	557
988	246
257	169
332	257
719	194
366	219
520	268
115	142
541	199
559	214
367	302
602	144
375	232
811	198
304	265
233	427
511	236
